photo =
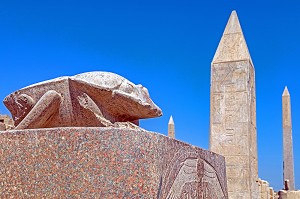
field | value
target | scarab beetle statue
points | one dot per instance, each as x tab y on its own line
86	100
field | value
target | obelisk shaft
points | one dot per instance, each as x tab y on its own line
171	128
233	111
288	159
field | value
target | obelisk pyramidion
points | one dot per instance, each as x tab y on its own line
233	111
288	159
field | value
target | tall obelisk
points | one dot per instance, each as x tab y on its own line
233	111
171	128
288	158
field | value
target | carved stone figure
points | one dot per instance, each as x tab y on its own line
84	100
190	176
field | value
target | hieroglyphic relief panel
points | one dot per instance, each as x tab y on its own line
233	130
217	108
189	176
239	178
232	143
220	76
233	160
229	77
225	100
237	167
235	106
228	96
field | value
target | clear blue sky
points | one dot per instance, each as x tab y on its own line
168	47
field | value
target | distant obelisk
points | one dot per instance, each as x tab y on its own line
171	128
288	159
233	111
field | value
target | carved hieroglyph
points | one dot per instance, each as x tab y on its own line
188	176
288	157
88	99
233	111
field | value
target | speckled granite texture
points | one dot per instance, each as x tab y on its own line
106	163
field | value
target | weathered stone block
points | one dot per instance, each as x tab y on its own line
98	162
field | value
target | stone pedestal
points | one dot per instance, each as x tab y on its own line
106	163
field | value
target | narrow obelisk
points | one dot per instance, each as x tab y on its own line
233	111
288	158
171	128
